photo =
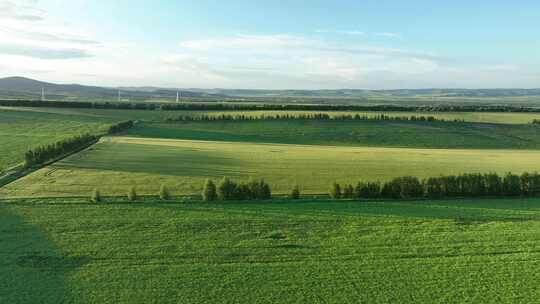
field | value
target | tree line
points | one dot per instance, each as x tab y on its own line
472	185
45	153
306	116
463	185
228	190
120	127
49	152
233	106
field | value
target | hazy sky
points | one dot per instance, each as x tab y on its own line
308	44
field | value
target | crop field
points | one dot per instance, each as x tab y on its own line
59	251
118	163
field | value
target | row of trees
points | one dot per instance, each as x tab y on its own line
235	105
229	190
49	152
304	116
464	185
45	153
226	190
120	127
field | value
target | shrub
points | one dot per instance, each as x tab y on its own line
335	191
164	193
295	193
132	194
209	193
95	197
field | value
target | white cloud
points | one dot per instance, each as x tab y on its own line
278	59
26	31
353	32
20	10
31	44
389	35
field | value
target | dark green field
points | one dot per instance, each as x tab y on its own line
352	133
21	131
307	252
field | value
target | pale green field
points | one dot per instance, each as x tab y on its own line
117	163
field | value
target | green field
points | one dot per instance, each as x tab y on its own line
156	116
306	252
21	131
352	133
118	163
56	247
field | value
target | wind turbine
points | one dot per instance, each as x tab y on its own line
177	96
42	94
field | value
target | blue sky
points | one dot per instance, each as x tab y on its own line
273	44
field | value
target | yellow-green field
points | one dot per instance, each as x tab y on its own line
117	163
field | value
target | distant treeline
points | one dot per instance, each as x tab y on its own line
464	185
216	106
46	153
120	127
304	116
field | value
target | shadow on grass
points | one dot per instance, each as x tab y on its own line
32	269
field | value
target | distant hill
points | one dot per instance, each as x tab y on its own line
20	87
351	93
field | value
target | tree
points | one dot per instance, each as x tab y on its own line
335	191
164	193
266	192
226	189
295	193
493	184
410	186
132	194
433	187
511	185
96	196
209	193
348	191
391	189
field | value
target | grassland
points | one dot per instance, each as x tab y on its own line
117	163
468	251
